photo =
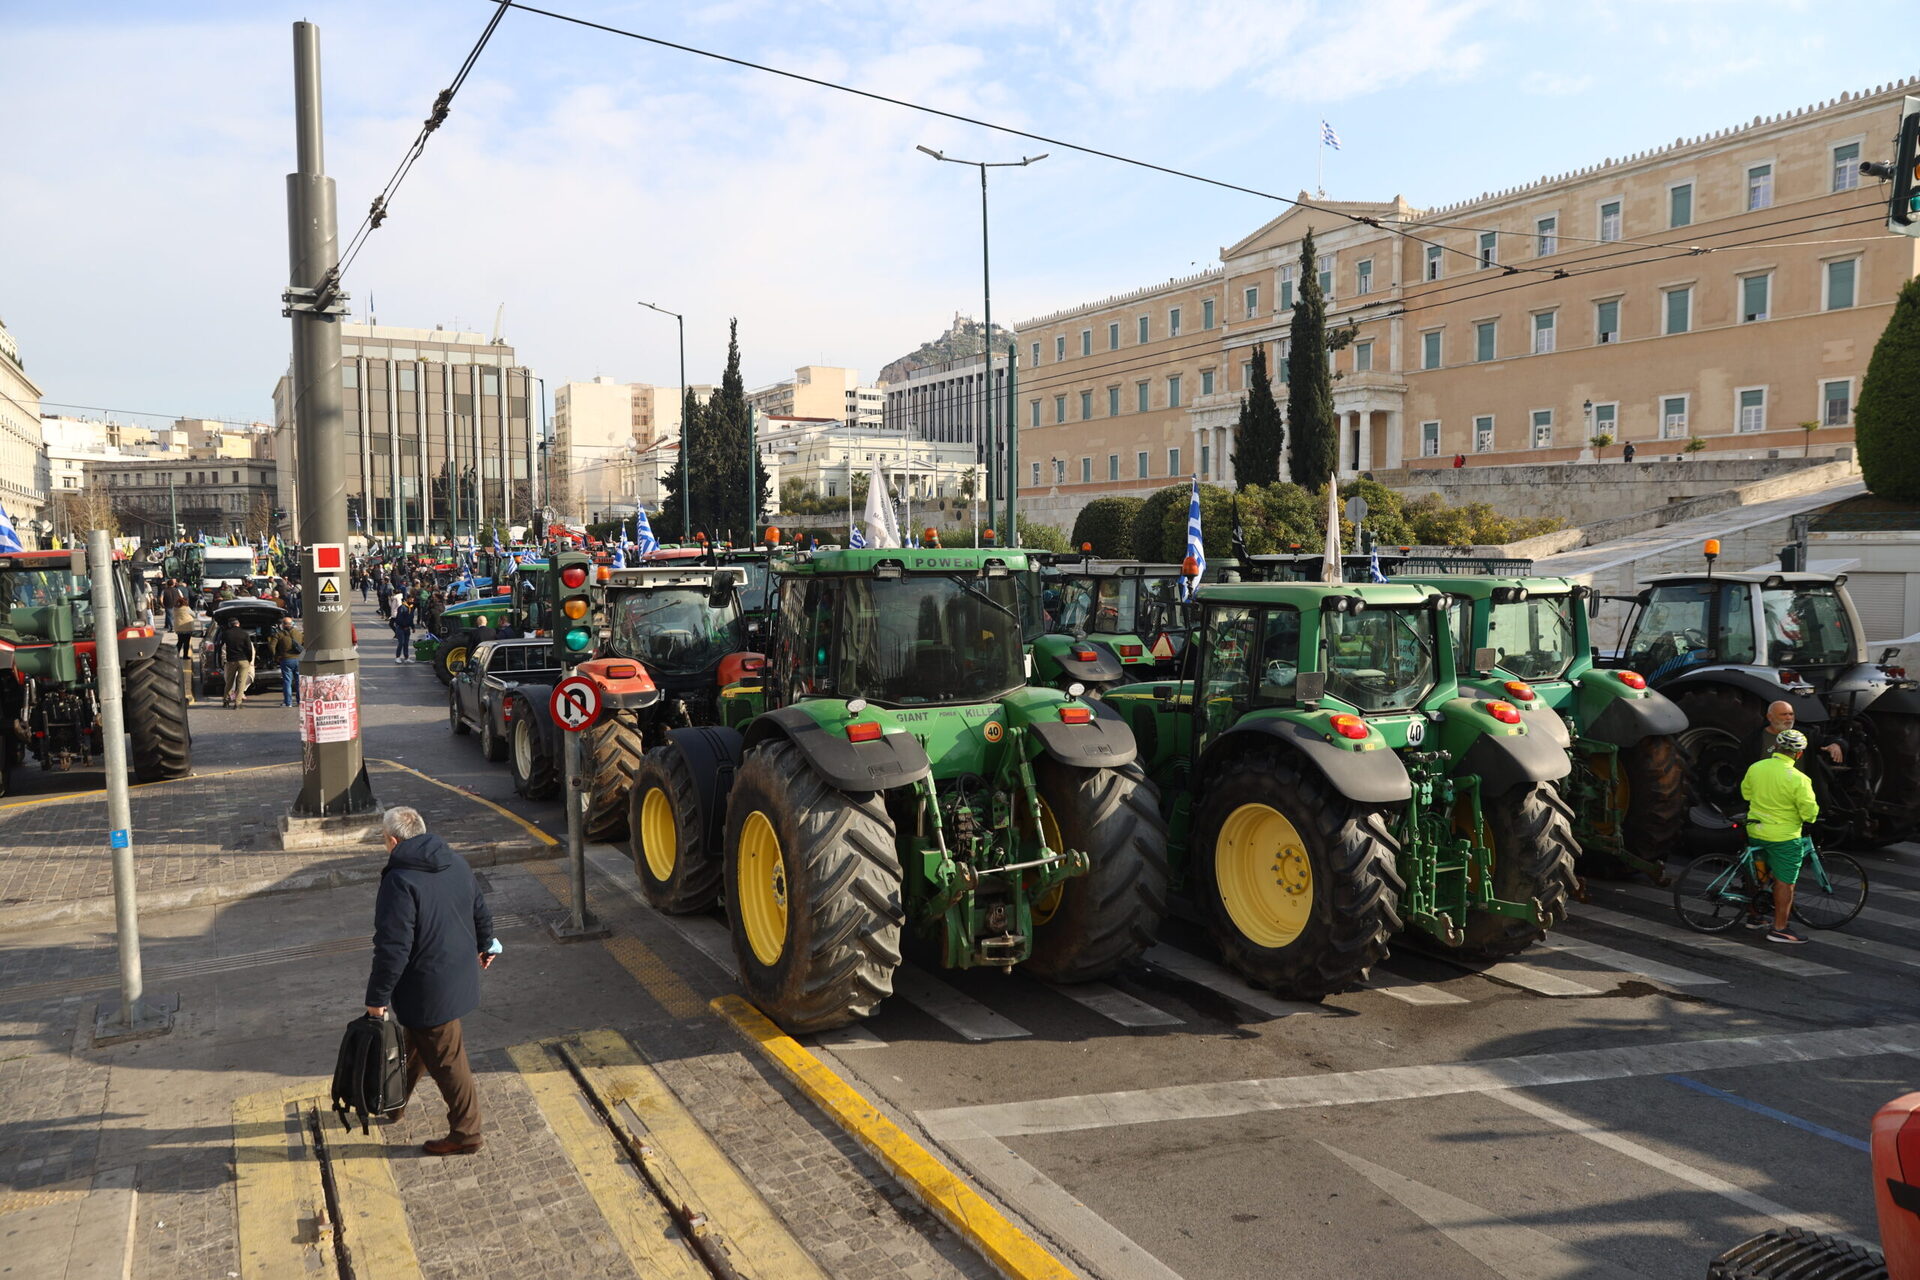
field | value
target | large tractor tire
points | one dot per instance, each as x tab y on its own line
1300	886
813	892
611	753
1656	801
450	659
1898	739
672	835
157	718
1530	830
1721	723
535	767
1094	925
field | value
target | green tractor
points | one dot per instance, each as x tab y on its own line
887	778
1527	640
1109	622
1328	782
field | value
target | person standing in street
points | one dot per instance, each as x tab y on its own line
293	598
386	599
284	651
432	935
1779	801
236	662
403	633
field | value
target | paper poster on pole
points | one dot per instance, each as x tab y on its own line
329	708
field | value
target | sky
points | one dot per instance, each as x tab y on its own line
142	190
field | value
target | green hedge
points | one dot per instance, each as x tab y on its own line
1107	523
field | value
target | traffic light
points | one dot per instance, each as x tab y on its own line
570	574
1903	209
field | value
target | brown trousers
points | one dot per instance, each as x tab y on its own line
441	1052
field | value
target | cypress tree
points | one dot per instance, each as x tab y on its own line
711	471
1260	433
1886	423
1316	447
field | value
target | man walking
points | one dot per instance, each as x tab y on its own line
1779	799
284	652
432	935
386	598
236	662
403	633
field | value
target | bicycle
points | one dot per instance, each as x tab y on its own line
1716	891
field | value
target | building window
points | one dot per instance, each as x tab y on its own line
1173	391
1059	470
1140	397
1143	331
1606	420
1543	326
1206	462
1113	402
1206	313
1846	166
1113	466
1173	322
1036	355
1673	417
1086	471
1606	320
1286	288
1839	285
1285	363
1059	347
1755	293
1363	276
1543	428
1140	462
1546	236
1680	205
406	372
1433	261
1429	439
1760	187
1206	382
1753	410
1363	357
1836	402
1483	334
1086	405
1246	375
1430	349
1483	434
1036	475
349	374
1113	336
1059	408
1326	277
1173	462
1086	342
1035	418
1489	248
1251	295
1610	220
1679	310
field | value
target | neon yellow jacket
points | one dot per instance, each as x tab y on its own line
1779	798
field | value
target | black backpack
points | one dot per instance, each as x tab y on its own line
370	1075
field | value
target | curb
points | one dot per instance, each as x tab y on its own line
36	915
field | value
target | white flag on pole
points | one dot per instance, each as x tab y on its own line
1330	562
882	531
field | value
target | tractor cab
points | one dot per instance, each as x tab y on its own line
1129	612
679	622
1799	627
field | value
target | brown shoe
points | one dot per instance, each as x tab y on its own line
397	1114
450	1147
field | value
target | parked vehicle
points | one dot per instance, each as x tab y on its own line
1107	620
261	618
481	695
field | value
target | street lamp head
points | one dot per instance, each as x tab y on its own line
930	151
1034	159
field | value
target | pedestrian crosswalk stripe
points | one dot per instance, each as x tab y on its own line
1531	977
1410	990
1727	948
1626	962
1221	981
961	1014
1116	1005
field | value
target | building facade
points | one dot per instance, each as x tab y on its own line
821	391
24	476
946	403
440	433
818	459
1721	295
219	497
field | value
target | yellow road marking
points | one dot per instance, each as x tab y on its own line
984	1227
648	1235
667	988
713	1185
373	1218
277	1186
66	796
15	1201
462	792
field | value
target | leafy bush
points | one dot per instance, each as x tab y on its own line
1107	523
1150	523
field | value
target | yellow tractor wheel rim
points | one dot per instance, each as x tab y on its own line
762	888
1264	875
1049	902
457	658
659	838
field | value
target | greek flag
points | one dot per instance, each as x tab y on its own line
855	538
1373	567
619	553
643	534
1196	545
1328	137
496	542
9	540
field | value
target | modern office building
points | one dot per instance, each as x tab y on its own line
601	429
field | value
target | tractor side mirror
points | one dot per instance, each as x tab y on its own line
1888	654
725	583
1310	686
1485	659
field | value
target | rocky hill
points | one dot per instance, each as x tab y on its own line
963	338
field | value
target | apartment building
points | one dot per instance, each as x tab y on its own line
1726	289
821	391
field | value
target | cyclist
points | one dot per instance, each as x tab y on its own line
1779	801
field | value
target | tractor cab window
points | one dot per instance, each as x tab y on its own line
927	639
1806	626
1379	659
28	588
1688	623
1116	603
802	637
1075	607
1462	615
1278	668
674	631
1158	606
1039	601
1225	683
753	593
1533	637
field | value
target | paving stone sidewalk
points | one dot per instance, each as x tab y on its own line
220	830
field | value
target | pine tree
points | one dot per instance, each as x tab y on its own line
1886	423
1316	444
1260	433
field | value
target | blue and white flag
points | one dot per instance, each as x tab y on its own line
619	554
1373	567
643	534
496	542
1328	138
1196	545
9	540
855	538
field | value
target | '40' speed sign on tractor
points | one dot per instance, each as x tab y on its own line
575	704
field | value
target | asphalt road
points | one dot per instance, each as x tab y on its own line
1627	1100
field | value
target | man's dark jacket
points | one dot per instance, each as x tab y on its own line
430	924
237	643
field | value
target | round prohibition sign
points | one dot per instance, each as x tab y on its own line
575	703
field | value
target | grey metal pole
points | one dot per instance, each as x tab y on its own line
576	837
986	288
686	426
333	779
113	730
1010	532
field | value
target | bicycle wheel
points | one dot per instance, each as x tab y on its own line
1829	900
1709	896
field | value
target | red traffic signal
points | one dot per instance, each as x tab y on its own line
574	575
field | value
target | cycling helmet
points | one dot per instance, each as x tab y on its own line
1790	740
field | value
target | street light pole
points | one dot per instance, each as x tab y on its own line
686	476
986	278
